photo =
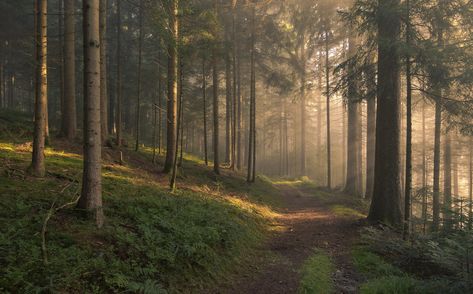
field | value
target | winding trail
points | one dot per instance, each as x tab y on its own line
306	222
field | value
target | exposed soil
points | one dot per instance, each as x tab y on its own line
307	223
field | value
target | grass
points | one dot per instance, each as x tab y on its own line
153	241
343	211
317	274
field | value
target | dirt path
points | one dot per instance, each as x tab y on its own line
307	223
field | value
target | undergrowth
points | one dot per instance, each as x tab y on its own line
153	241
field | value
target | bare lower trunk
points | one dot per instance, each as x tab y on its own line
118	114
91	197
103	70
172	89
204	97
215	114
327	89
38	165
138	95
447	182
386	203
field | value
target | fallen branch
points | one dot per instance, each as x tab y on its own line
51	212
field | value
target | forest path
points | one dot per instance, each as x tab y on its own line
306	222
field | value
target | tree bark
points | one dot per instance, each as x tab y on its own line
91	196
118	114
103	70
386	203
327	90
38	164
370	135
303	108
215	113
408	183
447	182
172	88
138	95
204	97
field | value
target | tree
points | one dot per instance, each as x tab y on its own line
91	196
215	112
118	86
103	70
138	95
171	121
37	164
386	203
69	115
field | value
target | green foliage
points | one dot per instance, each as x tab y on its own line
317	274
372	265
153	241
390	285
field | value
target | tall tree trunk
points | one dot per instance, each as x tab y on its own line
173	56
327	90
303	109
470	185
157	113
352	186
386	203
204	97
138	95
252	130
38	165
424	171
228	108
234	92
179	133
447	182
408	183
215	113
60	30
370	135
103	70
239	114
118	114
91	197
69	116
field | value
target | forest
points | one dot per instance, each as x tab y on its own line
238	146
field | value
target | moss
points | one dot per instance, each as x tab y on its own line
391	285
343	211
317	274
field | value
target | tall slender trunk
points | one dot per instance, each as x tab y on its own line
370	134
103	70
470	185
252	132
424	171
215	113
228	108
181	111
138	95
118	114
239	146
69	115
303	109
38	165
91	197
327	90
160	103
408	183
204	97
171	150
234	92
386	202
157	113
447	182
60	31
172	183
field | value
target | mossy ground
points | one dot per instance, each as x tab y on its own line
153	240
317	274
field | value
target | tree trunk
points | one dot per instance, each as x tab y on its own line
118	114
447	182
60	65
171	121
303	109
138	95
234	92
215	113
228	108
408	183
103	70
327	90
204	97
386	203
352	186
91	197
69	115
38	165
239	146
370	135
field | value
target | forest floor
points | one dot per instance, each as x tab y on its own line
310	221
